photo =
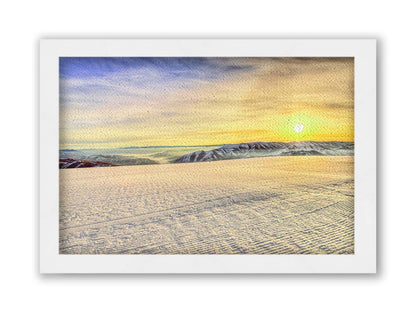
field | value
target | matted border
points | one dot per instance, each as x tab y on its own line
364	258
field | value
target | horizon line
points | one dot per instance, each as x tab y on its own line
201	145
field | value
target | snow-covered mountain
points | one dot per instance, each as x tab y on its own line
265	149
65	163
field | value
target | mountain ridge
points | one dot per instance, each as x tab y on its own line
268	149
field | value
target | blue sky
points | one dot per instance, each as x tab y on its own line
167	67
94	79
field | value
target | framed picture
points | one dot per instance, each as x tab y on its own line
208	156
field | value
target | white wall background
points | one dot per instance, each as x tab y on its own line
22	23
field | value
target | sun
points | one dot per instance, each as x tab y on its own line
298	128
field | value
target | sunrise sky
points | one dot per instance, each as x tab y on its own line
117	102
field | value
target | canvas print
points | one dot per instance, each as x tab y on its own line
206	155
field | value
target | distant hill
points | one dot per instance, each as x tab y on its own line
103	161
266	149
65	163
121	160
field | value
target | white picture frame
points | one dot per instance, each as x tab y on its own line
364	258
